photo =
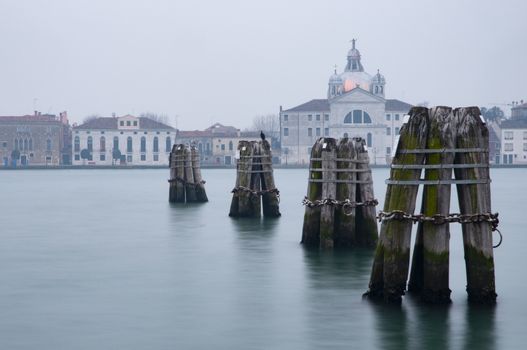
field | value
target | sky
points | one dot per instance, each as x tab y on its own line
201	62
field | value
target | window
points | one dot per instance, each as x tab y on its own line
143	144
309	117
129	158
309	131
102	144
388	150
345	134
77	144
143	157
509	147
90	143
231	146
286	118
357	116
369	140
129	144
326	131
30	144
115	142
286	131
223	147
168	144
16	144
525	135
317	117
508	135
48	145
102	157
397	117
396	131
121	123
4	144
388	131
135	122
525	147
77	157
156	157
26	144
156	145
128	123
326	117
388	117
317	131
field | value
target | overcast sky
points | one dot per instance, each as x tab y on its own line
227	61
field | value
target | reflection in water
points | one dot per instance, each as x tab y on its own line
431	324
391	325
480	328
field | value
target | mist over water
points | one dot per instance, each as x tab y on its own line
100	259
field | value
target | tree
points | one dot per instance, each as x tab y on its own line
116	155
493	114
160	118
91	117
85	154
268	123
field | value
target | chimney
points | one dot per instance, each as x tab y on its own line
36	113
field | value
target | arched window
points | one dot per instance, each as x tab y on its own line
20	144
77	144
143	144
231	146
90	143
16	143
30	144
156	144
357	116
168	144
129	144
102	144
368	139
115	142
200	147
48	145
26	145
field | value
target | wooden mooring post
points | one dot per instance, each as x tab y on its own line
340	207
255	185
186	183
438	140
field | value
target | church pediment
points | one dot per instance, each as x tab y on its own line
358	95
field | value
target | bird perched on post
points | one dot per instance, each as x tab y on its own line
262	135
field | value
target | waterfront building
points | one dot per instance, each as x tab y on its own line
126	140
355	106
514	136
35	140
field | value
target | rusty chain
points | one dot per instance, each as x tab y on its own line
185	182
347	205
255	192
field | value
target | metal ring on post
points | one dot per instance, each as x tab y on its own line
501	239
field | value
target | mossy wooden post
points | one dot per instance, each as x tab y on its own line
329	191
172	178
240	205
345	234
311	227
180	173
201	195
190	187
392	254
256	182
366	216
270	202
430	262
474	199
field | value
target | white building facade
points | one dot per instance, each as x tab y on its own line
126	140
514	141
355	107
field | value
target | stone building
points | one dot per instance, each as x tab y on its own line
126	140
35	140
355	106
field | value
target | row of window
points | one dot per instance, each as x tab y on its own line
231	146
122	132
509	135
129	144
389	131
129	158
27	144
509	147
128	123
309	117
395	117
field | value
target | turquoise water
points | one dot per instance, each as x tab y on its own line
98	259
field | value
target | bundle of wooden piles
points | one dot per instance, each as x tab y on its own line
340	206
186	184
438	140
254	180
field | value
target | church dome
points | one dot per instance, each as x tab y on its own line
378	78
354	53
355	79
335	79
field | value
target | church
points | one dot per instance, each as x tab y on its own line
355	106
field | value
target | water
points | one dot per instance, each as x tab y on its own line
98	259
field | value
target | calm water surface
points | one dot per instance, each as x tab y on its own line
98	259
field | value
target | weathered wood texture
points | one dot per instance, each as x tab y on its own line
392	254
311	227
256	183
180	173
329	190
430	262
201	194
270	200
366	219
345	234
473	199
190	187
241	200
185	181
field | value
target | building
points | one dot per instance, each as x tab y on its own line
126	140
35	140
519	110
355	106
514	137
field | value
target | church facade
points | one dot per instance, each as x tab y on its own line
355	106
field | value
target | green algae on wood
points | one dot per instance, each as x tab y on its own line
329	190
345	233
311	227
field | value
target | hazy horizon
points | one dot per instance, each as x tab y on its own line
229	61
